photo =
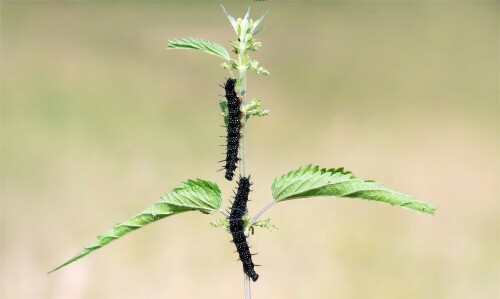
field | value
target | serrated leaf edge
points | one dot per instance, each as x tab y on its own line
367	189
168	205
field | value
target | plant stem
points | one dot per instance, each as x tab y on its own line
224	213
242	67
259	213
246	287
243	93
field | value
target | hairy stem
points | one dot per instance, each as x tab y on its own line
259	213
242	68
224	213
246	287
243	93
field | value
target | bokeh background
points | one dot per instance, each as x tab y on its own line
99	120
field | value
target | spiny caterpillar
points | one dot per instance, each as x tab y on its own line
239	209
233	128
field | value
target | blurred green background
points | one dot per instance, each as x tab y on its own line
99	120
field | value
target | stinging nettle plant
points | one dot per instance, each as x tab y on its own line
205	196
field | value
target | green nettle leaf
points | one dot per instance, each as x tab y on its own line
199	44
313	181
231	19
255	28
192	195
224	110
258	29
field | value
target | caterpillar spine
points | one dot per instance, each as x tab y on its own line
238	210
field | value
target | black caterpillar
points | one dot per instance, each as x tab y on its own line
233	128
239	209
